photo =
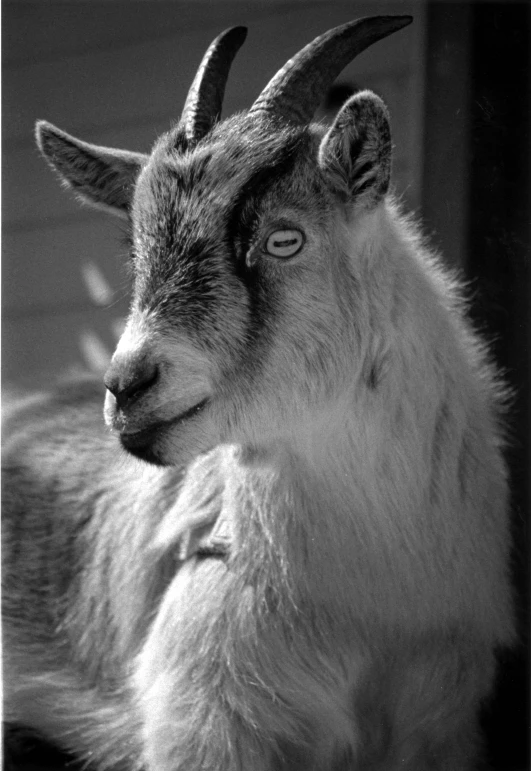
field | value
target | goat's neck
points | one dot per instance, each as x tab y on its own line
338	515
299	507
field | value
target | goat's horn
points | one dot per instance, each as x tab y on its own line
299	87
205	97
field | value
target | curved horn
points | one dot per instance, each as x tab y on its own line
299	87
205	97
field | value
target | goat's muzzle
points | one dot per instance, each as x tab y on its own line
140	409
128	381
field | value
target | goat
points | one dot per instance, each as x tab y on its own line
301	561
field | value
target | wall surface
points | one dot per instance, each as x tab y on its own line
116	73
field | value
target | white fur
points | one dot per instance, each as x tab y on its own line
319	582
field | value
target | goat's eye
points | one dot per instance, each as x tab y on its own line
284	243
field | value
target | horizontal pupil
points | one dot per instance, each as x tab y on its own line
286	243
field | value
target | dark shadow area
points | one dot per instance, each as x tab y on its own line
499	256
476	207
23	751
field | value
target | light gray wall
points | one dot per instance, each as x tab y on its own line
116	73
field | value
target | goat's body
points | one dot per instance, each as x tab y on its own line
319	580
353	623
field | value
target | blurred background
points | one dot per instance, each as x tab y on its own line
116	73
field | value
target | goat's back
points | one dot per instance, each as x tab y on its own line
74	612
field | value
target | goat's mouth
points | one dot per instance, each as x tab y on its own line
143	444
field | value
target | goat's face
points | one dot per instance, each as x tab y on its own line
242	322
240	317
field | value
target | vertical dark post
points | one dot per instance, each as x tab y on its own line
446	128
499	255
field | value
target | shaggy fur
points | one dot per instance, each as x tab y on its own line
312	574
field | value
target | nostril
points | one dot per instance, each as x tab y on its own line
128	383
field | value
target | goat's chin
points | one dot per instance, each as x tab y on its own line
173	442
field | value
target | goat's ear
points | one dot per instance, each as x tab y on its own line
355	154
100	175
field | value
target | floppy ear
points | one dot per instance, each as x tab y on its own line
355	154
99	175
